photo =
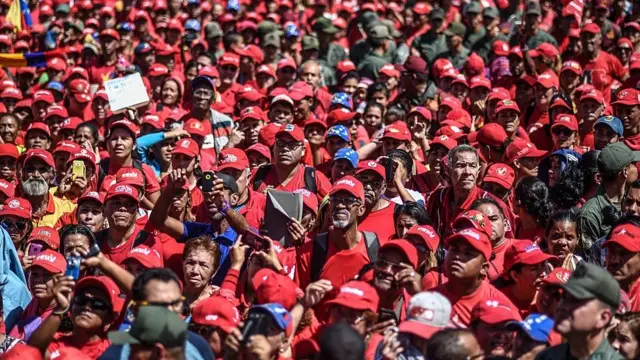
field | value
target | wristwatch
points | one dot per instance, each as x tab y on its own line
225	207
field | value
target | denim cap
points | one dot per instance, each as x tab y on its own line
347	154
612	122
339	131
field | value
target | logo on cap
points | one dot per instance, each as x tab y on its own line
531	248
14	204
501	170
44	232
124	189
185	144
420	312
427	231
471	233
230	158
346	182
372	164
353	291
129	175
4	185
93	194
565	119
47	257
289	127
211	317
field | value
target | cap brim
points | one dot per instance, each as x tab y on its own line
636	156
517	325
347	304
122	338
577	292
418	329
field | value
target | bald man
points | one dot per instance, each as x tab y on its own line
310	73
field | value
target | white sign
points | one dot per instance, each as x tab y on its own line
126	92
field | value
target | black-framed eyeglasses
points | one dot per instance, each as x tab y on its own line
288	145
562	131
8	224
346	201
95	303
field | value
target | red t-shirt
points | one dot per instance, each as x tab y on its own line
296	182
633	142
604	69
634	299
340	265
432	279
496	266
100	74
119	253
229	95
92	349
253	209
461	306
380	222
524	307
169	249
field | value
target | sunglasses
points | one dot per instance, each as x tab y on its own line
95	303
347	201
8	224
173	303
562	131
202	330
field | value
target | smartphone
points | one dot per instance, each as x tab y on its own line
77	169
207	181
35	249
73	267
390	167
255	241
94	250
386	315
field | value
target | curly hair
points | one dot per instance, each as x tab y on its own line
533	196
569	188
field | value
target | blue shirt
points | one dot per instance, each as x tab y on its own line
225	242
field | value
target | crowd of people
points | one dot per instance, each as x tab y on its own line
467	172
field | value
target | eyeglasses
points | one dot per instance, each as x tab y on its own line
95	303
288	145
375	184
562	131
346	201
20	224
383	264
202	330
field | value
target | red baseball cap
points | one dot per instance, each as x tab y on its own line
294	131
478	240
572	66
43	95
472	219
110	33
122	190
627	96
451	102
56	110
71	123
129	125
559	276
253	112
108	286
547	81
520	148
500	174
186	146
57	64
51	260
92	195
194	127
210	72
591	28
7	188
397	131
517	51
9	150
405	247
271	287
218	312
524	252
39	154
499	93
309	199
154	120
147	257
287	62
233	158
46	234
66	146
17	206
565	120
480	81
494	312
300	90
507	105
351	185
346	66
158	69
266	69
427	234
229	58
390	71
492	134
426	113
11	93
444	140
341	115
85	154
625	235
594	95
267	134
370	165
260	149
460	116
357	295
500	48
460	79
546	50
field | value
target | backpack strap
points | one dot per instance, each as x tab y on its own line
372	244
310	179
260	176
140	238
319	255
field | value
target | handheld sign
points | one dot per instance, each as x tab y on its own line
126	92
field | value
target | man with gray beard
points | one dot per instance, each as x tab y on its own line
38	172
340	254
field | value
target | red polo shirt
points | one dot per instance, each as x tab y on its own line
604	69
296	182
496	266
92	349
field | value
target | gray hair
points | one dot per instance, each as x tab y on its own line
459	150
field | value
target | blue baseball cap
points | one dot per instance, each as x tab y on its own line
125	26
279	314
291	30
536	326
233	5
611	121
567	156
202	80
192	24
55	85
193	2
342	99
339	131
142	48
347	154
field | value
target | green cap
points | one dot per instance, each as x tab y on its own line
380	32
590	281
63	8
455	29
212	30
491	13
533	8
266	27
615	157
153	324
310	43
325	25
271	39
473	8
392	28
